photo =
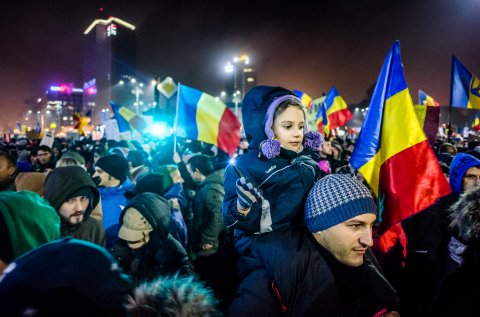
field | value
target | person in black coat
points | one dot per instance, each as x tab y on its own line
145	248
327	270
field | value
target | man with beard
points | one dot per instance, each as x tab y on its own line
73	194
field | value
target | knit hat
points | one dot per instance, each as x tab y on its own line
31	181
154	183
459	166
135	227
334	199
80	275
114	165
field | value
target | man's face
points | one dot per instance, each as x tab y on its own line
73	210
349	240
6	171
471	178
104	176
196	176
44	156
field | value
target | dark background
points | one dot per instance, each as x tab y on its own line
302	45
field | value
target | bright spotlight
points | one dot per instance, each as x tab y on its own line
159	130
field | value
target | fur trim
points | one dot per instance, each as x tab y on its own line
465	215
173	296
313	140
270	148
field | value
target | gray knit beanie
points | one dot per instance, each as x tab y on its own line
334	199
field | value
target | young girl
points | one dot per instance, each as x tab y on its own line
266	188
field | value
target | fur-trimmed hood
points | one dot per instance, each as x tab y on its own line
465	215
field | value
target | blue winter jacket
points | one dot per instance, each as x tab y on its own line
285	180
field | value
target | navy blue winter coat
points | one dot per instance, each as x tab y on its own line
285	180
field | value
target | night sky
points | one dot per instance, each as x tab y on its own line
297	46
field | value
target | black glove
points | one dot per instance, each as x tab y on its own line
248	192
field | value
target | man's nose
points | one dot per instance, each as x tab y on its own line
366	237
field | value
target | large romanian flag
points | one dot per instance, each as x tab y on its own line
392	152
206	118
337	110
465	89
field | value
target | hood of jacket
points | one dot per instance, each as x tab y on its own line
459	166
254	110
156	211
62	182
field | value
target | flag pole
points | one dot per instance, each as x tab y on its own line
176	120
449	133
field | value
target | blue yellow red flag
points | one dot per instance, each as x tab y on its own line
337	109
127	119
426	100
465	89
306	99
392	152
476	124
203	117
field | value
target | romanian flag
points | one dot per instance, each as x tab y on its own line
392	152
426	100
337	110
465	89
127	119
206	118
476	124
306	99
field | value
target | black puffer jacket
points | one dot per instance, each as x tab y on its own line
162	255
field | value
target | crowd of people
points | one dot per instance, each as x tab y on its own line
286	228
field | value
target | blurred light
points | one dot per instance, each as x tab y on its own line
38	111
231	161
29	111
159	130
228	68
39	100
133	80
217	98
356	109
121	82
223	94
48	111
153	82
141	84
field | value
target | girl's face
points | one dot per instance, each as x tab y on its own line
288	128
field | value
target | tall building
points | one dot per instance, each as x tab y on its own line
243	77
109	56
63	101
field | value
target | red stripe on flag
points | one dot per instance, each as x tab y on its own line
410	185
228	137
339	118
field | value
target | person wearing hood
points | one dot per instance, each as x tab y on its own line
266	188
161	183
26	222
433	248
145	249
459	291
73	194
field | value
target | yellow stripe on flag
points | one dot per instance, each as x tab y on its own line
397	135
126	113
209	113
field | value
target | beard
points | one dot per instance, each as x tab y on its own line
76	218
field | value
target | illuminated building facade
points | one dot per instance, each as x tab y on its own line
109	55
